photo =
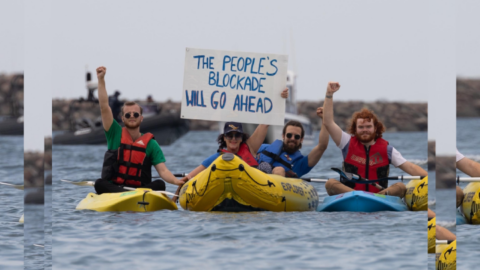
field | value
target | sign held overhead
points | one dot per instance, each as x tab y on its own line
234	86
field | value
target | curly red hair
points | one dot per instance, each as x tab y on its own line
367	115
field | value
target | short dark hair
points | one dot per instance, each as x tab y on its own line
295	124
131	103
222	144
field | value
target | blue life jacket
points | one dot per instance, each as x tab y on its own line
275	156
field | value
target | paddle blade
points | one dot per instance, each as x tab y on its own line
164	192
81	183
346	175
21	187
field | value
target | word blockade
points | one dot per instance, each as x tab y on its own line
234	86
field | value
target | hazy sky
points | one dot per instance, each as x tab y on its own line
468	38
441	76
375	49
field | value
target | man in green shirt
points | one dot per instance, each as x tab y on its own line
128	160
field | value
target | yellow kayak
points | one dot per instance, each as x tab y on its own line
431	235
139	200
229	184
416	196
21	219
446	256
471	203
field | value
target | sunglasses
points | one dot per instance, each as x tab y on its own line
296	136
130	114
232	135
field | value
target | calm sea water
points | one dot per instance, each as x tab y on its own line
11	202
192	240
34	236
48	226
468	236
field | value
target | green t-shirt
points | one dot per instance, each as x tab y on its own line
114	137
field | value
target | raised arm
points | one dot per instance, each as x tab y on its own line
413	169
333	129
107	116
469	167
258	136
317	151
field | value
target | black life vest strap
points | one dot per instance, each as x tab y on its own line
128	164
132	147
277	158
127	177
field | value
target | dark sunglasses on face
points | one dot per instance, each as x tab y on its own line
296	136
231	135
130	114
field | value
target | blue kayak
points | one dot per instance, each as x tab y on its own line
460	218
361	201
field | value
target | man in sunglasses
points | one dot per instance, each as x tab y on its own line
365	152
130	154
283	157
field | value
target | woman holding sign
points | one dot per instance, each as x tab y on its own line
234	140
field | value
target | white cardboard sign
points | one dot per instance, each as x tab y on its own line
234	86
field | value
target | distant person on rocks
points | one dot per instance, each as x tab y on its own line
130	154
364	151
150	106
116	105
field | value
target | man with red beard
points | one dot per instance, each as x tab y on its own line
283	157
130	154
365	153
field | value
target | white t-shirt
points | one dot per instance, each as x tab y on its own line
459	156
396	158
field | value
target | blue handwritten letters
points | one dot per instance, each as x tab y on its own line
244	87
241	74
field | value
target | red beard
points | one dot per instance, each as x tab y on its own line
132	125
370	138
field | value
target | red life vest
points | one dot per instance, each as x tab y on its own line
245	154
370	163
131	160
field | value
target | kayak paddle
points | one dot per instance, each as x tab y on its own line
91	184
358	179
443	242
175	174
12	185
467	179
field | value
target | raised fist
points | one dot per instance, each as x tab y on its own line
332	87
101	72
320	112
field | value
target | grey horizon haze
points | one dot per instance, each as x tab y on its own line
377	50
369	47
